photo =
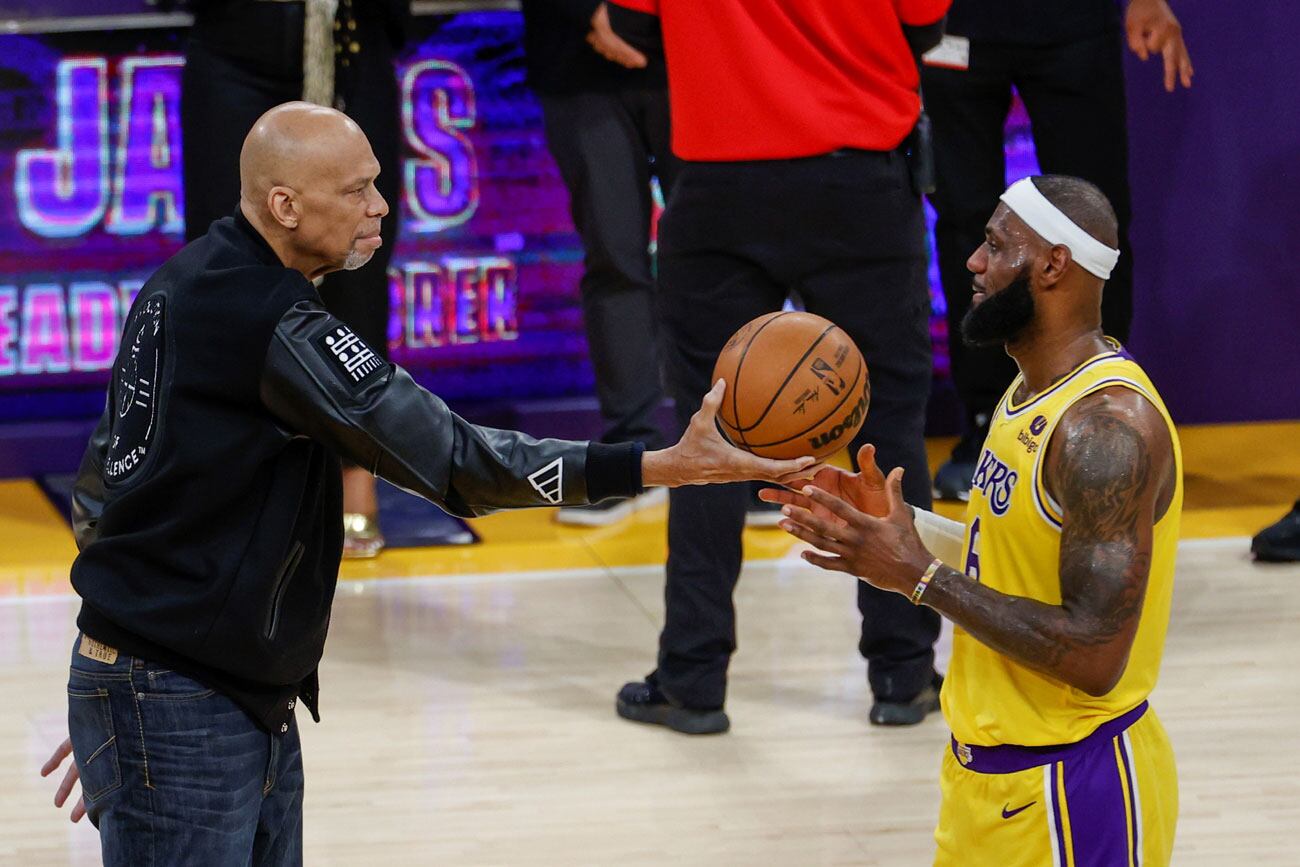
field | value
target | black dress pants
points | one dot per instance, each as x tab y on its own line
607	144
1074	94
845	232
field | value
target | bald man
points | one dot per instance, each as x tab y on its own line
207	507
1059	580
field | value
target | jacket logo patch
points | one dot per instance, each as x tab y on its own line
354	361
549	481
135	391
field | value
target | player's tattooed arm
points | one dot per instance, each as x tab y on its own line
1110	466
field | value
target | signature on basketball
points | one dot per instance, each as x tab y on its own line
810	395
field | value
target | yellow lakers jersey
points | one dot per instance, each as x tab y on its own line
1013	542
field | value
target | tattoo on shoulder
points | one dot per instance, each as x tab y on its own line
1103	470
1103	476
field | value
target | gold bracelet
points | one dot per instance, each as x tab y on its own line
925	581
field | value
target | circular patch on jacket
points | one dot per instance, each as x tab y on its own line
135	391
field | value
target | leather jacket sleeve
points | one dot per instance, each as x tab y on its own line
321	381
88	490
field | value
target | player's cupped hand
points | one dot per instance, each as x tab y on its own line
884	551
61	752
703	456
864	490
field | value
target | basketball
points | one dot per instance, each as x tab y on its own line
796	385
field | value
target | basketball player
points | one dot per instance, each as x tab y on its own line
1067	560
207	508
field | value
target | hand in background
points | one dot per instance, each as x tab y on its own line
609	45
1153	28
61	752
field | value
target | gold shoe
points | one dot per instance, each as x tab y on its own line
361	537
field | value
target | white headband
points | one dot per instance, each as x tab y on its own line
1047	220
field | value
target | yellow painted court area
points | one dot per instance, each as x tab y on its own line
1239	478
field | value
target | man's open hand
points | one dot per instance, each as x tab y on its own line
703	457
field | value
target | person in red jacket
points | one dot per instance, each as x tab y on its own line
794	122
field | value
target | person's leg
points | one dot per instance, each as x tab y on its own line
706	293
598	144
278	842
1074	93
968	112
869	278
173	772
1153	775
1001	819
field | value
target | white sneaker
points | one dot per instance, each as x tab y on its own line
608	512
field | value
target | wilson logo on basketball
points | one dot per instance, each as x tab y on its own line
849	425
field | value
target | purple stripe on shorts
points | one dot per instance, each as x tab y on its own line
1098	819
1062	852
1132	799
1011	758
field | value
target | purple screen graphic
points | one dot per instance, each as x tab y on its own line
483	280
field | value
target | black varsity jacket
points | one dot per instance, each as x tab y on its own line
208	505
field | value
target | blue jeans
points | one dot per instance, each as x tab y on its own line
175	773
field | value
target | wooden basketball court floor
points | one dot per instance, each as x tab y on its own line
468	699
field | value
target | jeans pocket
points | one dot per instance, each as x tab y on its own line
94	743
170	686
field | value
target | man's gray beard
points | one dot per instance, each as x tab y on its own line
356	259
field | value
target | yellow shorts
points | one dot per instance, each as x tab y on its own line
1110	800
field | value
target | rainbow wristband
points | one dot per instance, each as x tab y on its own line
925	581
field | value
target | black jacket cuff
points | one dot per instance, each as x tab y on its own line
613	470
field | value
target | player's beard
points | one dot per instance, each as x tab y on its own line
1001	318
356	259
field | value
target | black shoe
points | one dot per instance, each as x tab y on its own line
760	513
952	480
1279	543
908	713
643	702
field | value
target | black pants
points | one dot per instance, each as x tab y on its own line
606	145
220	101
1074	93
846	233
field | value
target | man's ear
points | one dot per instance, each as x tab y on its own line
1052	267
282	202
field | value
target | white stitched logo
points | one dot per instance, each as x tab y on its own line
549	481
357	359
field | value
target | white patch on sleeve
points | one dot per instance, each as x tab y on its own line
549	481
